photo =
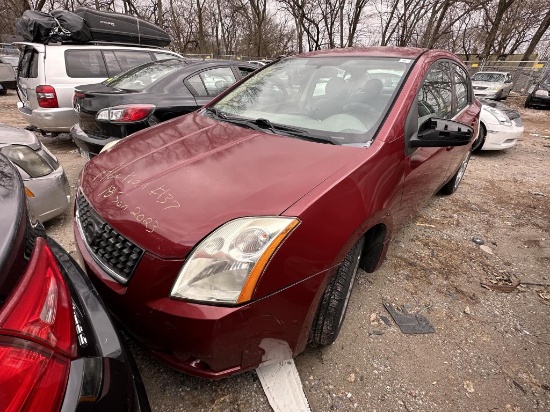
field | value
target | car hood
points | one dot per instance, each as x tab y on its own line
165	188
508	111
10	135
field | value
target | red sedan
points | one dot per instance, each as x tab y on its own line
231	237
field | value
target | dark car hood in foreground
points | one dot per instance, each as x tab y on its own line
167	187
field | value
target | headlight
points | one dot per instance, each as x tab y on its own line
501	117
543	93
226	266
28	160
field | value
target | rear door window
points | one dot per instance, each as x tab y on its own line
128	59
85	64
212	82
28	67
113	68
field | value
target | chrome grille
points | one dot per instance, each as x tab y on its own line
112	251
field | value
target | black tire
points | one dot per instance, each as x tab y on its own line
528	102
3	92
478	143
451	186
334	303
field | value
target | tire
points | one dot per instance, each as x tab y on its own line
451	186
478	143
3	92
334	303
528	102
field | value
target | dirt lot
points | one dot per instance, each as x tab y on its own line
490	350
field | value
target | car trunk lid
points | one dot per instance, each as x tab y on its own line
90	99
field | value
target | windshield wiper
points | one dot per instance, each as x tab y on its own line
262	124
294	131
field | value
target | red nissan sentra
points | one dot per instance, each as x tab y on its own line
230	237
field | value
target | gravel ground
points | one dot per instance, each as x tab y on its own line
490	350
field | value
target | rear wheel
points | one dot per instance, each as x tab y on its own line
334	303
451	186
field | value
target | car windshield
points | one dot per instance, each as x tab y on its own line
489	77
138	78
341	100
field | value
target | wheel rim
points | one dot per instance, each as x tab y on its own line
461	171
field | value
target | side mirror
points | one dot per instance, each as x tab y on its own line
436	132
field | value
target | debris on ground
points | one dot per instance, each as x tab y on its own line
410	323
505	283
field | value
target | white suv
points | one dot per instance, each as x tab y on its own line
47	75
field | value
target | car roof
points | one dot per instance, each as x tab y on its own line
11	135
93	46
375	51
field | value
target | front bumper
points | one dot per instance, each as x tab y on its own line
103	361
58	120
206	340
88	145
500	137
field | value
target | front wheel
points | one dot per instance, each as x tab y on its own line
334	303
451	186
478	143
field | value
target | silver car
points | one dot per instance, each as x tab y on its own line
46	184
492	85
48	74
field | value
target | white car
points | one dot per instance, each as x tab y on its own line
500	127
492	85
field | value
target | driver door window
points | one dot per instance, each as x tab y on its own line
435	96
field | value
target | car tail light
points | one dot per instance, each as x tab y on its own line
126	114
77	95
33	378
47	98
40	308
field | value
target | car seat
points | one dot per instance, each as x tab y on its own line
334	99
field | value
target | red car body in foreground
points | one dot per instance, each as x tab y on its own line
230	237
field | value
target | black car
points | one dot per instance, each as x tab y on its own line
539	94
146	95
58	347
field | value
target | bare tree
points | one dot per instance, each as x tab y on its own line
541	30
494	17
